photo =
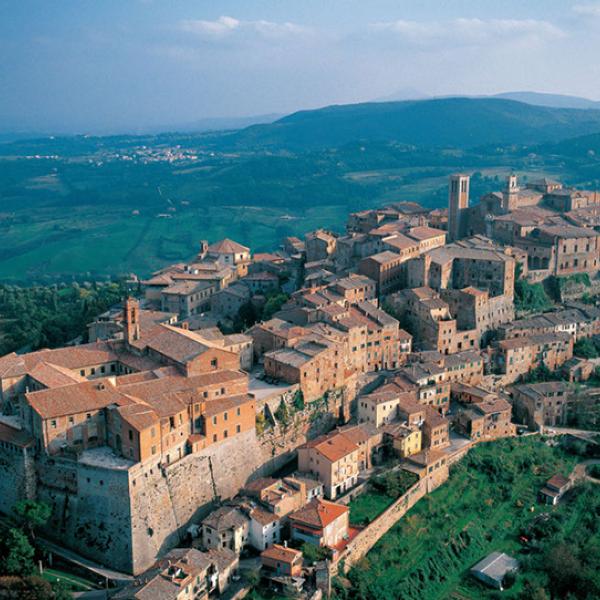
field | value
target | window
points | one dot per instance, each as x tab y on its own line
88	416
239	412
71	420
215	437
225	433
82	372
93	371
53	424
130	435
214	362
238	429
153	449
215	420
225	416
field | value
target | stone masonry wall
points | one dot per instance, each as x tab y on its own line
124	517
165	502
367	538
90	510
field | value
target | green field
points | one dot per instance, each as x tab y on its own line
76	208
489	499
91	243
367	506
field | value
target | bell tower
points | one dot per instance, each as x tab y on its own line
510	196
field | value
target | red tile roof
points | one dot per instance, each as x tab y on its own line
318	513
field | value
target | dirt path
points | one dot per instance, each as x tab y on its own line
579	472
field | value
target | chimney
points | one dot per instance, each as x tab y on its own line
132	320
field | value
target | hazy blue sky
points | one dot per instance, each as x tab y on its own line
98	65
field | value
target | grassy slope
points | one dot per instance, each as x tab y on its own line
428	553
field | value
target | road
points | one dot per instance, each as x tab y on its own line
75	558
563	430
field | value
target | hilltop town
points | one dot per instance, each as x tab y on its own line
242	400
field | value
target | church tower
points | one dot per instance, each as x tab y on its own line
132	320
458	203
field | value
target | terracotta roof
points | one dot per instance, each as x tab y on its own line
281	553
427	457
50	375
218	405
227	246
384	257
267	257
495	405
225	517
262	516
76	398
175	383
557	481
332	446
71	357
425	233
139	416
318	513
18	437
433	418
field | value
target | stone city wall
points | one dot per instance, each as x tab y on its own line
17	477
369	536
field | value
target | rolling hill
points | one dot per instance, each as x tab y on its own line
454	122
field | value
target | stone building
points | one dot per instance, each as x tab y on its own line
542	404
225	527
432	323
385	268
334	459
436	430
187	298
562	250
184	574
579	322
518	356
320	523
231	254
320	245
486	420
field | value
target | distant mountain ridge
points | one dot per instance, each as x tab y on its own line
442	122
550	100
528	97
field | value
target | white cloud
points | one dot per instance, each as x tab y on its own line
587	10
462	31
226	26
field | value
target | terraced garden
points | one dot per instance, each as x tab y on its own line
489	500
